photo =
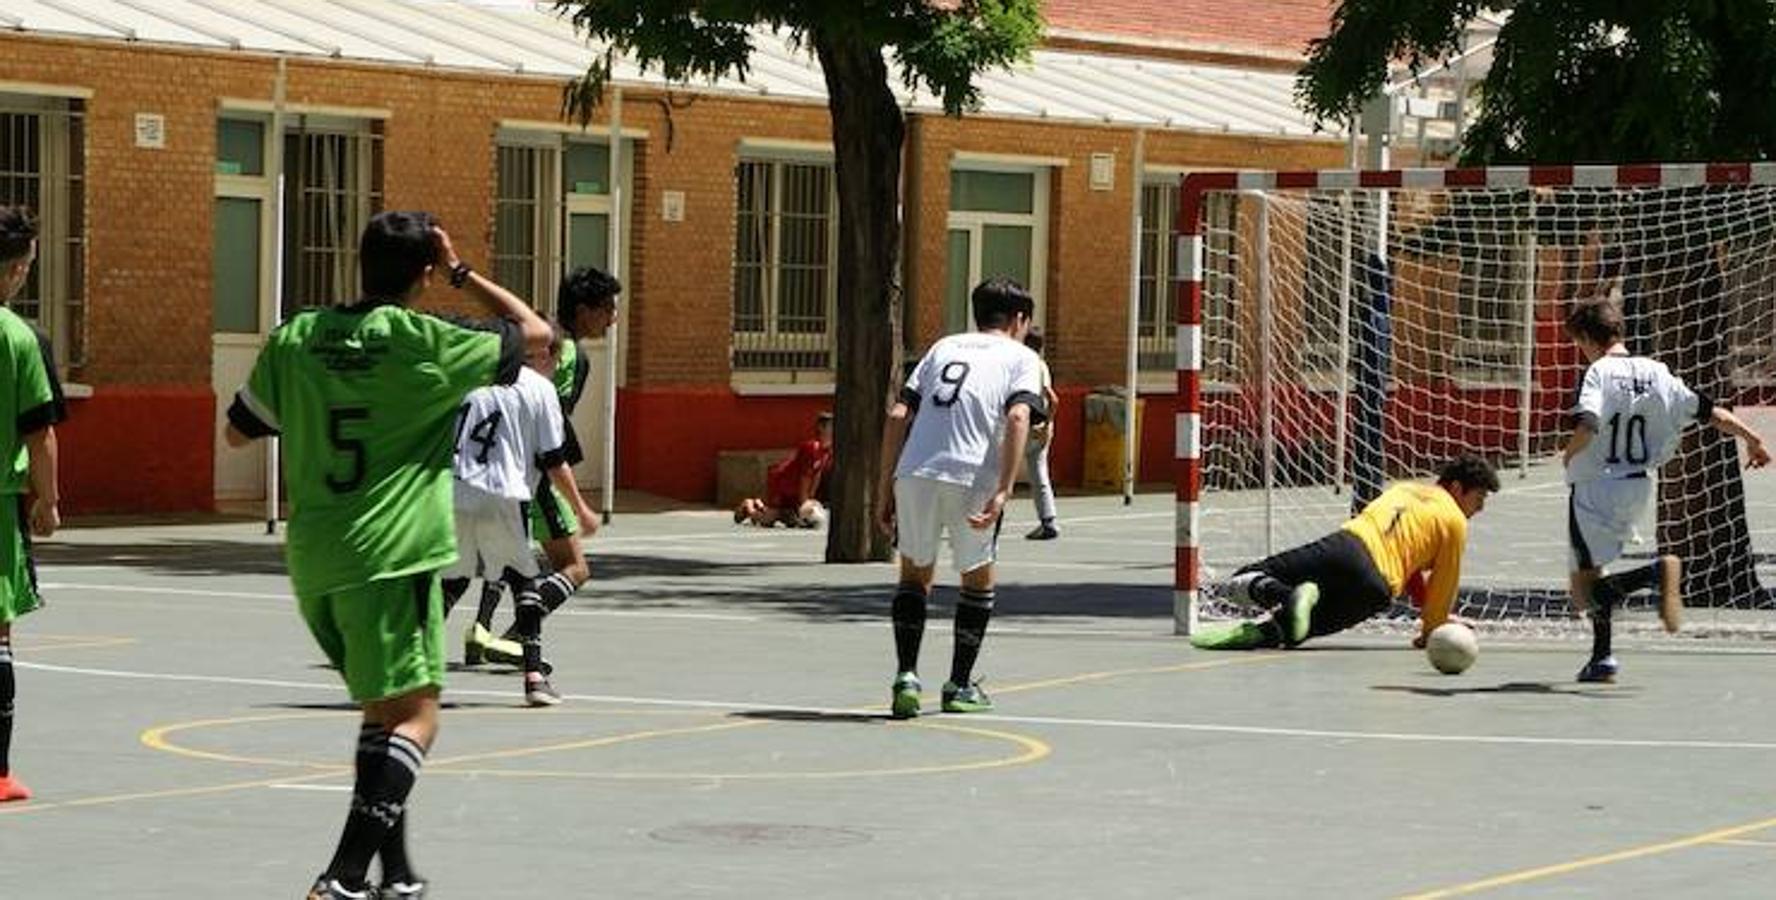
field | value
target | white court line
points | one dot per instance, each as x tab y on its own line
196	592
1135	724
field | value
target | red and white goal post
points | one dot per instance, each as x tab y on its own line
1338	330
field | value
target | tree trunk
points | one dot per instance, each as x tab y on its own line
1701	492
868	130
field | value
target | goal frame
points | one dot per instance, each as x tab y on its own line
1189	236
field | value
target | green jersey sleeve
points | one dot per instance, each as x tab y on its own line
37	393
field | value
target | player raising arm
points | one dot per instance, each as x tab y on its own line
1629	420
1356	572
363	396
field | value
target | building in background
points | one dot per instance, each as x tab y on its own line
147	135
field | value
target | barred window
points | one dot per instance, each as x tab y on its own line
43	168
1157	340
551	211
333	186
785	265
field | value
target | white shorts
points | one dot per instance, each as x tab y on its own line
1600	518
924	508
492	535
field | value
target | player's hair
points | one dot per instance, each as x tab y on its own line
1598	321
1470	471
588	287
998	301
18	228
396	249
1034	340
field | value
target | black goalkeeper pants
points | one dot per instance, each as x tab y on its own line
1351	587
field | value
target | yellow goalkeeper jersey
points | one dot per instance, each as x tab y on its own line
1411	527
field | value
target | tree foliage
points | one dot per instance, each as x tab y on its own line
938	46
1575	81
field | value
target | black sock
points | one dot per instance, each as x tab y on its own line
453	589
491	591
529	627
393	852
8	689
973	610
1644	578
387	766
554	591
1603	603
909	626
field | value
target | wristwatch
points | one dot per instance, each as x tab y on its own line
459	274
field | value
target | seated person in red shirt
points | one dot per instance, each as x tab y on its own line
791	484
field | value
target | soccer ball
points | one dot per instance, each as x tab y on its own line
1452	648
816	517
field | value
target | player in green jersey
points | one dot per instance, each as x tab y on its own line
363	396
586	308
30	405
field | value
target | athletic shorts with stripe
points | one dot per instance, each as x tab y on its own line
492	537
18	572
550	516
1600	517
385	637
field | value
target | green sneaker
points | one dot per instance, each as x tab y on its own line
1246	635
1299	607
905	692
967	699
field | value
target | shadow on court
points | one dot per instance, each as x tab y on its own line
175	557
1535	688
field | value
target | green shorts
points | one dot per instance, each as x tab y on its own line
18	573
385	637
551	519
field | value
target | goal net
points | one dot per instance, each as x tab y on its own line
1339	331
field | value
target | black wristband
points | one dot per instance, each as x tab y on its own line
459	274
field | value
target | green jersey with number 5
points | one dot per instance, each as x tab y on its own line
364	397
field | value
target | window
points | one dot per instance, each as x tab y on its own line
333	185
240	279
785	265
1492	231
1331	236
997	228
43	167
1157	337
551	211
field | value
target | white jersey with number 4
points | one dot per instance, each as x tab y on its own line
1640	411
507	434
960	393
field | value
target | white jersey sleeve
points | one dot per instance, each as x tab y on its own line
1638	411
548	429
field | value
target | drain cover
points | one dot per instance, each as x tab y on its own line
760	834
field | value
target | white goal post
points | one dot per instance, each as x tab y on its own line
1339	329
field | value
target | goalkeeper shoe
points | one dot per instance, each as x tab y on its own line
966	699
1245	635
1599	671
905	696
1296	615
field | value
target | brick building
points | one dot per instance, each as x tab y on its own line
149	133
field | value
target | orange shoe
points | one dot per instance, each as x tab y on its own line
12	790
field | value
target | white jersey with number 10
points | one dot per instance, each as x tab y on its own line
960	393
1640	411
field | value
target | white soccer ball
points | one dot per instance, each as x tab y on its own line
1452	648
816	516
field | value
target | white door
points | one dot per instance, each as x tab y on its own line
241	307
588	244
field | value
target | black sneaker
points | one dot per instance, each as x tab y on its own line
330	889
1599	671
1044	532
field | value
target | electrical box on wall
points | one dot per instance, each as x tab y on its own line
1103	171
672	206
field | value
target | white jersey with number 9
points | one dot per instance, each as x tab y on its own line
960	394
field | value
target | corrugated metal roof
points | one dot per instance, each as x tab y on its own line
523	38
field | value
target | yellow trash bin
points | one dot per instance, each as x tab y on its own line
1106	422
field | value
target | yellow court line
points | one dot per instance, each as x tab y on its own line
13	809
68	642
1510	878
1740	842
587	744
1154	670
1033	750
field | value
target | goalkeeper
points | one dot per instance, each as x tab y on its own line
1355	572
